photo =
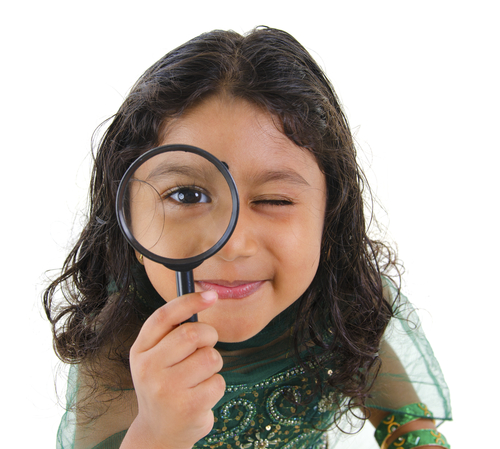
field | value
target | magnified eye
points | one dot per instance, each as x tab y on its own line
189	195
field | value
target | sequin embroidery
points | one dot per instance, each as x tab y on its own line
277	413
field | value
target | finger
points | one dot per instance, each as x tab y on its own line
169	316
183	341
209	392
197	368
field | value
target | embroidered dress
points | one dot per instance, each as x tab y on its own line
270	401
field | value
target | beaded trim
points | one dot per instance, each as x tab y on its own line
419	438
273	410
242	423
245	388
402	416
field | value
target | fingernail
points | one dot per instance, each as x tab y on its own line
209	295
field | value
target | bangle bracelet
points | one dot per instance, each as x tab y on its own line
401	416
419	438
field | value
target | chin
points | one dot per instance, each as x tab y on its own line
238	320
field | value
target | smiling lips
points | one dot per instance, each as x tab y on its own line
231	290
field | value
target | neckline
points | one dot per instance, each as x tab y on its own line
276	328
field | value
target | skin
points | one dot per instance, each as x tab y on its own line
376	417
274	251
269	261
404	393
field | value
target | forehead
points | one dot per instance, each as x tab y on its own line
246	137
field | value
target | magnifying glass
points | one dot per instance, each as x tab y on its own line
177	205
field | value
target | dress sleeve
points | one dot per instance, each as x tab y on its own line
107	430
66	432
113	442
409	373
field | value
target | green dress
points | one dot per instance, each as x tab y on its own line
265	387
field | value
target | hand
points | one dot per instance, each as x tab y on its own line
174	370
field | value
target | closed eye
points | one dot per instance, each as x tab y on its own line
273	202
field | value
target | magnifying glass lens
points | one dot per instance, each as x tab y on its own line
177	205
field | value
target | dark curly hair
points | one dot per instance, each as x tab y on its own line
269	68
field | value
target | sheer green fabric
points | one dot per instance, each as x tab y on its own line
410	371
67	426
265	387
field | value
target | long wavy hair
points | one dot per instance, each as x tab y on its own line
269	68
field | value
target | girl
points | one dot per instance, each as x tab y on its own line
300	322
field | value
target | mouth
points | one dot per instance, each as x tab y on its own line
231	290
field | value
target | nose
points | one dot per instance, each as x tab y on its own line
243	241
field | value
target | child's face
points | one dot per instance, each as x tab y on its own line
273	255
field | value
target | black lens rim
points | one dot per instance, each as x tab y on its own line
191	262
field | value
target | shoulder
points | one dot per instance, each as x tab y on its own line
105	404
104	399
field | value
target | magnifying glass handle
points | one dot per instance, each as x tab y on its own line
185	284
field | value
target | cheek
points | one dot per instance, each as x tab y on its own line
299	253
304	236
162	278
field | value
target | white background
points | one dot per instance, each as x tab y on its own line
419	82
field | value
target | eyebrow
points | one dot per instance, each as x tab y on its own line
267	176
285	175
168	169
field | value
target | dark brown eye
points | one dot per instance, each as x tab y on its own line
187	195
